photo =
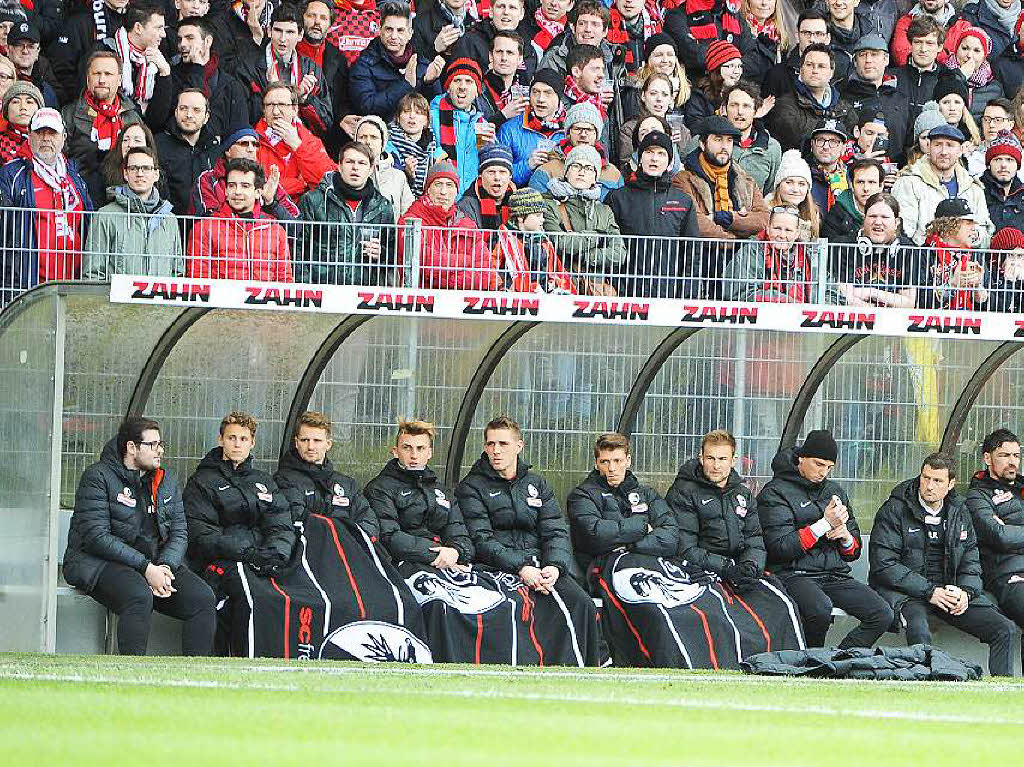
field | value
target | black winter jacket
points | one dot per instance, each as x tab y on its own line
229	103
899	544
76	39
232	510
514	522
181	163
788	504
604	518
997	511
108	519
916	87
1008	68
417	513
313	489
476	45
864	97
716	524
1005	209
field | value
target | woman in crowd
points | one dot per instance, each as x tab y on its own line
389	180
953	97
966	51
660	58
724	65
134	135
655	101
771	31
931	117
774	267
958	279
793	189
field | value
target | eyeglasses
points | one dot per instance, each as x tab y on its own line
7	77
155	444
248	144
579	168
813	35
827	142
278	104
583	129
139	168
995	120
786	209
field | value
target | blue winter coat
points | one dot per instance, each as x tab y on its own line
376	86
523	142
467	157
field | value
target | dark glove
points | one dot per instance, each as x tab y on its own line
732	572
739	576
267	562
723	218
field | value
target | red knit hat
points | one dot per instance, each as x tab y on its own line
441	169
720	52
978	32
464	66
1004	144
1008	238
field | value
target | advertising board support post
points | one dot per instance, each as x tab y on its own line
413	240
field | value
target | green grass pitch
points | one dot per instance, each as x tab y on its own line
85	710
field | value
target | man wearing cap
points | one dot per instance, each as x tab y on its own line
198	66
542	120
528	263
869	89
187	148
208	193
728	201
1004	191
811	536
812	100
583	125
829	176
23	50
20	102
45	237
458	123
487	201
939	176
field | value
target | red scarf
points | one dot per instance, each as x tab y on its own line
547	30
208	72
548	127
494	85
789	276
107	124
618	34
767	27
947	258
701	16
447	139
308	50
493	213
577	95
14	143
274	69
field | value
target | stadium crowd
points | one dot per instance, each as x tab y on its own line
702	577
893	128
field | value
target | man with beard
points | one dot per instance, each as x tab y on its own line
506	16
829	177
541	121
198	66
23	51
754	150
78	38
20	102
486	203
1004	190
145	73
505	94
187	148
997	510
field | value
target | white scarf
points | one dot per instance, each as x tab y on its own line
274	69
1007	17
56	177
141	87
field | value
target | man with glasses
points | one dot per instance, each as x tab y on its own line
145	243
127	543
285	143
829	177
812	100
995	119
812	29
23	50
187	147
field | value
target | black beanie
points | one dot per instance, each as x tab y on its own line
951	81
659	38
550	78
819	444
655	138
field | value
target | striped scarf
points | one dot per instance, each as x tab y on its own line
701	15
107	123
768	28
718	175
423	151
577	95
140	87
547	30
274	66
447	138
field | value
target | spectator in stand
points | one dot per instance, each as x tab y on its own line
523	253
647	125
593	248
533	137
458	125
953	96
871	141
97	117
145	73
438	26
812	100
285	143
353	241
969	50
316	23
545	20
585	84
755	150
136	233
487	202
882	267
793	190
583	125
724	67
940	12
847	215
916	77
241	242
243	29
506	90
829	176
997	117
389	180
20	101
199	66
655	101
929	118
939	176
654	213
728	202
1004	190
23	49
1009	65
846	26
660	58
210	191
696	24
506	16
356	23
183	9
588	25
774	267
1006	288
812	29
187	148
112	169
278	61
455	254
389	69
411	141
69	53
870	89
44	241
770	29
630	24
8	74
958	279
998	18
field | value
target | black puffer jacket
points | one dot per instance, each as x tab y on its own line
232	510
604	518
716	524
899	544
313	489
997	511
181	163
416	513
514	522
110	505
788	504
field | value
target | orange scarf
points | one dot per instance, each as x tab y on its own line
719	178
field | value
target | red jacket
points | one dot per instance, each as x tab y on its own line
231	248
454	255
302	169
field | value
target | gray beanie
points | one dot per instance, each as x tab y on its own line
22	88
584	112
584	154
929	118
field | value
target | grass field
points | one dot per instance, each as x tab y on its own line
86	710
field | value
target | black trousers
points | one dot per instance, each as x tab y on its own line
125	592
816	594
986	623
1011	602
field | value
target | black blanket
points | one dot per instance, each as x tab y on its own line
917	663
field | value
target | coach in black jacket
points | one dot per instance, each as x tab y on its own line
127	543
810	535
924	562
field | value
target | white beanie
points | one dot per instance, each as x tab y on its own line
793	166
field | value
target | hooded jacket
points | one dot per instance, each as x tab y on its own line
919	192
417	513
121	241
997	511
788	505
234	510
716	524
899	546
110	505
321	490
514	522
